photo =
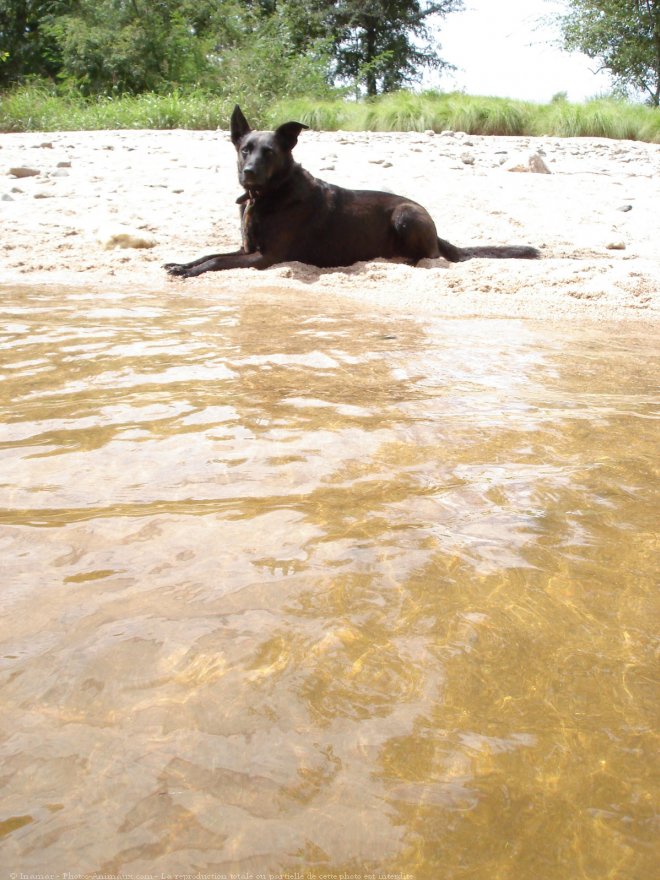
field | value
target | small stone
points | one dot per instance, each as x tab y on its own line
537	164
23	171
534	163
6	198
625	208
429	132
467	159
64	164
46	145
616	246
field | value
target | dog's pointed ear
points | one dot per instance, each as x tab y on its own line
239	126
287	134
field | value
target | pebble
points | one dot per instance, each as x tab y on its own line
625	208
535	163
24	171
616	246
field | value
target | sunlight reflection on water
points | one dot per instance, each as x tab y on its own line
324	592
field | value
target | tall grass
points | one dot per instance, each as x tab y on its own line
404	111
37	107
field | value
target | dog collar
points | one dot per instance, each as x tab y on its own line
248	196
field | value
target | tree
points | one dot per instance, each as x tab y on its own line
624	35
277	49
266	48
384	44
24	48
109	47
263	48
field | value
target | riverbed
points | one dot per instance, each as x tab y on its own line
293	585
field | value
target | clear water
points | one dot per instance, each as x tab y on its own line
291	586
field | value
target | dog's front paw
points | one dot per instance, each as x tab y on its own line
177	269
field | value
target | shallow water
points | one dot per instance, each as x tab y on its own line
290	586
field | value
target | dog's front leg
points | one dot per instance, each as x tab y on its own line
217	262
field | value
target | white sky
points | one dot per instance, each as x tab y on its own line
501	47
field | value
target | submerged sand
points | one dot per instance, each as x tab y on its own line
595	216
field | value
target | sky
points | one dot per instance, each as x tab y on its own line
502	47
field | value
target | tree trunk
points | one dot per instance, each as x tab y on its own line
370	44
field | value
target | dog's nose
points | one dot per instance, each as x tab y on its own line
249	175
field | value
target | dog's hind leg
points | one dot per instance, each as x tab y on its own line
416	237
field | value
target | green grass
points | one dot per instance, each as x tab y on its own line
404	111
38	107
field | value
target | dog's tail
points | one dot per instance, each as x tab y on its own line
504	252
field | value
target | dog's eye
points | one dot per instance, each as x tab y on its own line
268	150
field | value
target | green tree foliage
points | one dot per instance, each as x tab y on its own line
259	48
24	48
106	46
384	44
623	35
273	50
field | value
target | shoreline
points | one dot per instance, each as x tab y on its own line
594	217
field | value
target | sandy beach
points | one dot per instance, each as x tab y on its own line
110	207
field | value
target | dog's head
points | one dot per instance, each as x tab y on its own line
264	157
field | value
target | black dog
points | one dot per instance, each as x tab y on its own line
286	214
